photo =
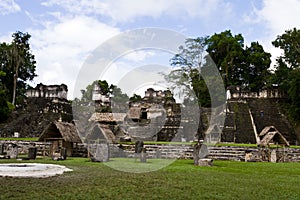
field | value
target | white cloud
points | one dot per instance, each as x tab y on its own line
280	15
128	11
275	17
8	6
61	48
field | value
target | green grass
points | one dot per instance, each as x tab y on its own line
20	139
180	180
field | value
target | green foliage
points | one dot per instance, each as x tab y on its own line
247	67
289	42
5	107
118	98
255	72
186	76
19	65
135	98
293	93
241	66
226	51
287	72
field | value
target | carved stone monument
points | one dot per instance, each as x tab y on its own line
101	153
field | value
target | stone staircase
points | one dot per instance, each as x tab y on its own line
229	153
266	112
238	126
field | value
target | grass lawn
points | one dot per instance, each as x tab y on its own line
20	139
180	180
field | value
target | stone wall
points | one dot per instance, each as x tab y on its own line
239	93
48	91
43	148
179	151
170	151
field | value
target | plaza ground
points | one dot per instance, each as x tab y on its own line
179	180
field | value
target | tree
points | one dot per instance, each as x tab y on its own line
293	93
186	77
135	98
287	73
186	74
289	42
5	106
239	65
257	62
118	98
227	52
18	63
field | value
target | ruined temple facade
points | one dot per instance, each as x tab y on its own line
48	91
44	104
237	92
156	117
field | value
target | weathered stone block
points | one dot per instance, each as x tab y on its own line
205	162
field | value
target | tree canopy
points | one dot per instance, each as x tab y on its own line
17	67
289	42
287	71
238	65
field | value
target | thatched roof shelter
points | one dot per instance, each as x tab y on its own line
108	117
270	135
99	132
60	130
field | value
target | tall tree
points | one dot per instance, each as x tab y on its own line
18	63
227	52
5	106
257	64
289	42
287	73
293	93
186	76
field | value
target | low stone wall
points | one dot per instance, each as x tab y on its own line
173	151
216	153
23	146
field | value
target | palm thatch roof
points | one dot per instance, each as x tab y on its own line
99	132
272	136
108	117
60	130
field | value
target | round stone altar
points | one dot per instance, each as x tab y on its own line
36	170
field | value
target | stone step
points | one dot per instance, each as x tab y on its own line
226	154
223	151
225	158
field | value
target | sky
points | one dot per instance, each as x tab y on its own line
65	32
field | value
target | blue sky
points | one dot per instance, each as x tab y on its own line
64	32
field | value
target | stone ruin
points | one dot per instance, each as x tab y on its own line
44	104
156	117
48	91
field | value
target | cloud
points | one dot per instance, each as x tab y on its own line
61	48
8	7
280	15
121	11
275	17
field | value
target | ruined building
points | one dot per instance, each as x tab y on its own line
43	105
48	91
248	113
156	117
100	99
